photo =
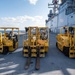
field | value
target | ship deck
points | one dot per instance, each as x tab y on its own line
55	63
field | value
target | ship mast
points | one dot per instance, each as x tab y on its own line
54	6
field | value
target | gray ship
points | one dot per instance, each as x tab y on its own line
62	13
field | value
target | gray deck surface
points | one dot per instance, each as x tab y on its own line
55	63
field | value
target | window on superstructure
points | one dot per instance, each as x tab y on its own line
69	10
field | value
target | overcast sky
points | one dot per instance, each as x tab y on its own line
23	13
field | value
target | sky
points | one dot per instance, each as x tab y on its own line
23	13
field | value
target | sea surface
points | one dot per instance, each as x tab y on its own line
21	31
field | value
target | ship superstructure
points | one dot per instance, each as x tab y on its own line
62	13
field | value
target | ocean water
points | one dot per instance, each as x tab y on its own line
7	31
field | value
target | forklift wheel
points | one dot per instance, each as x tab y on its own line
5	50
66	51
56	44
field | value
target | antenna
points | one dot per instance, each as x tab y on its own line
55	5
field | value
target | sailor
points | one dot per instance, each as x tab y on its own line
10	35
64	31
13	37
44	35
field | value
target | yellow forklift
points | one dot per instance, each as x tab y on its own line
8	40
36	44
66	41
